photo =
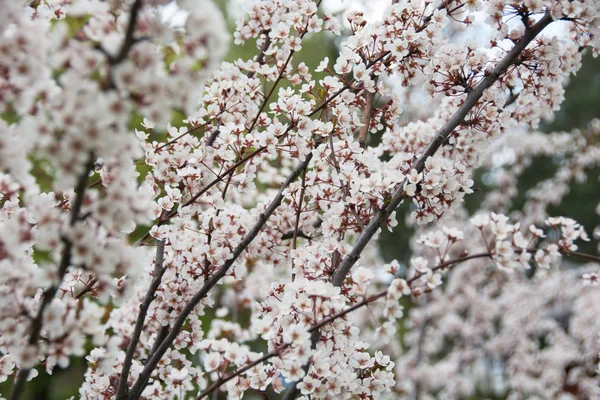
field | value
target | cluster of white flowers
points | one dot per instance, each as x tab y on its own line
243	218
73	75
519	337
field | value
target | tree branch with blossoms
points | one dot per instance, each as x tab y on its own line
400	286
159	270
471	100
255	180
139	385
80	189
65	261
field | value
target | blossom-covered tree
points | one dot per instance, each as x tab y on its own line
235	254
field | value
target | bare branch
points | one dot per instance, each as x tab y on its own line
590	257
259	59
129	40
366	118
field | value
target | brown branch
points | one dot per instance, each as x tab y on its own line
261	53
290	235
80	189
218	179
129	40
366	119
268	97
159	270
581	255
219	382
297	222
87	288
259	58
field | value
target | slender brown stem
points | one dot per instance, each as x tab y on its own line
366	118
87	288
298	214
581	255
129	40
205	189
259	59
224	379
159	270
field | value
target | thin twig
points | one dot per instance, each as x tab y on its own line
582	255
279	77
89	286
298	214
129	40
218	179
259	58
366	118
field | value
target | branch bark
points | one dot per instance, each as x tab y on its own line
159	271
366	119
129	40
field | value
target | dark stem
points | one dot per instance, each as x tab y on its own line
129	40
298	214
259	59
582	255
205	189
159	270
363	133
